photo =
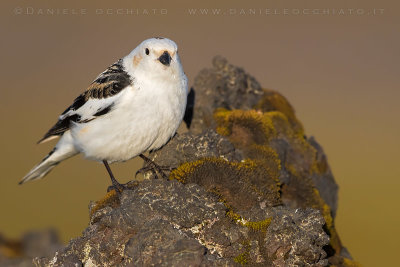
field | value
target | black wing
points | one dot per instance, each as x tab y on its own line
112	81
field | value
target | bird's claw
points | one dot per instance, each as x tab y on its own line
118	188
144	170
155	169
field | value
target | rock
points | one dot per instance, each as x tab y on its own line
167	223
247	187
295	238
225	86
324	181
188	147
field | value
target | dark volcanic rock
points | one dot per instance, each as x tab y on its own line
248	188
167	223
225	86
188	147
295	239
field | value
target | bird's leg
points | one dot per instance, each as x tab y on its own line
153	167
115	185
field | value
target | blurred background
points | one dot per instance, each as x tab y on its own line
336	61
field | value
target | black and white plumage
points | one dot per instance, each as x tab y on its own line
108	83
134	106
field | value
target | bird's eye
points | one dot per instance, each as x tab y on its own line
147	51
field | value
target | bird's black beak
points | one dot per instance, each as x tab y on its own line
165	58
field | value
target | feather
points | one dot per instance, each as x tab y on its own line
108	84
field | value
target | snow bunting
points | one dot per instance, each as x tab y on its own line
135	105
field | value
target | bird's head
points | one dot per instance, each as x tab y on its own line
158	56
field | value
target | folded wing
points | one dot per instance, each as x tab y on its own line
97	100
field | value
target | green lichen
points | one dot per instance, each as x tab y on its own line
274	118
184	170
255	226
244	257
273	101
240	184
243	125
260	226
247	127
235	217
267	153
256	132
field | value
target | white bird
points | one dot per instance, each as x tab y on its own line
135	105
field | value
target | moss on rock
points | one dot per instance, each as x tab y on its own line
240	184
254	131
273	101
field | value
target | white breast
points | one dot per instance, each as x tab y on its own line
144	117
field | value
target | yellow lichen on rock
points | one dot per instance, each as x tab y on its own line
274	101
252	132
320	204
259	226
242	126
240	183
245	127
244	257
233	216
184	170
109	199
266	156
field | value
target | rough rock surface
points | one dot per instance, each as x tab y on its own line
188	147
230	87
248	188
167	223
223	86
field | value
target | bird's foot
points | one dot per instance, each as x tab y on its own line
153	168
118	188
